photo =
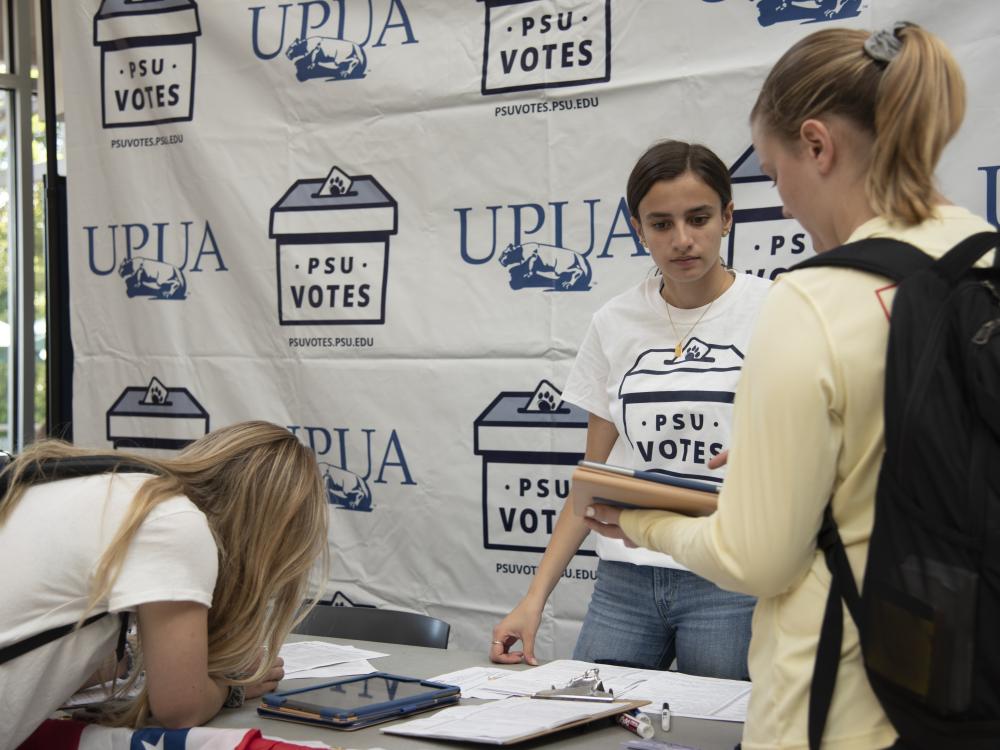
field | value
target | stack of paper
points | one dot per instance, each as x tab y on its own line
503	721
322	659
695	697
475	681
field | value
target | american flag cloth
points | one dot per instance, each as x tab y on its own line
66	734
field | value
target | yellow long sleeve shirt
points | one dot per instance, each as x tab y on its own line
808	426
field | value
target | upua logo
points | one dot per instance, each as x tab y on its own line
539	253
351	461
326	40
539	44
151	258
345	488
805	11
549	266
147	61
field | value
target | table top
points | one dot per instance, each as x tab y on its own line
414	661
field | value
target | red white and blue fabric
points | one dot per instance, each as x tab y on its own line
64	734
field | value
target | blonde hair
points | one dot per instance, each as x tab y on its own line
912	105
261	491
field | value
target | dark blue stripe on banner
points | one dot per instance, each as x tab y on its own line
769	213
721	397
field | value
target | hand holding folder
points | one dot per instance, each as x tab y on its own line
595	483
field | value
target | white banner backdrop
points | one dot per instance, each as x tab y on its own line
413	317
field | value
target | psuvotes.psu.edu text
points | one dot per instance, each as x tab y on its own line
147	141
305	342
527	569
555	105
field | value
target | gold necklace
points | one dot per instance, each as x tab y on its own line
679	346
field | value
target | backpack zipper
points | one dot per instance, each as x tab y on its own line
986	331
992	289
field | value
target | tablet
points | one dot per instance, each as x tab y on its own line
359	701
608	485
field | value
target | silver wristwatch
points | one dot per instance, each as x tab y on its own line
235	696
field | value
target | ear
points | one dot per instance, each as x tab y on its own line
727	217
817	144
638	229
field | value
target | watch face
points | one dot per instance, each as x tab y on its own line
235	697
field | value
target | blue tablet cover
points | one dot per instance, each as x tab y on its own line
359	701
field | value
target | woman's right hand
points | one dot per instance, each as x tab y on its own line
520	625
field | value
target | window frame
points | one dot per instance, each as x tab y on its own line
19	88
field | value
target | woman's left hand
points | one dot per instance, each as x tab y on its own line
270	681
604	520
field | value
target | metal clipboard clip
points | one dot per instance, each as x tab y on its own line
586	687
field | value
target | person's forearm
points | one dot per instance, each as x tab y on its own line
193	708
567	536
570	530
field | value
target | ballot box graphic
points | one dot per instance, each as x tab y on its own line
332	244
340	599
521	36
763	242
529	442
669	425
147	60
156	416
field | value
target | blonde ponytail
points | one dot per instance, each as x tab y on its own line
919	107
912	101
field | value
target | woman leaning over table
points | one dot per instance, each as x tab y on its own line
211	550
657	370
850	125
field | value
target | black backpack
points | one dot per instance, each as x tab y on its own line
52	470
929	614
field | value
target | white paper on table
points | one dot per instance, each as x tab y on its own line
345	669
694	697
500	721
688	695
100	693
558	673
300	655
474	681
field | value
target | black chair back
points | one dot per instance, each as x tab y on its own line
372	624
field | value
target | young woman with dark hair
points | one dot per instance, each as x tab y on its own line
657	371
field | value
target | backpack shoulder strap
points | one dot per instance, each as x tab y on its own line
880	255
38	640
73	467
953	263
843	590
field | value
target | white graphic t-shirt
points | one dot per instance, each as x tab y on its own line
672	414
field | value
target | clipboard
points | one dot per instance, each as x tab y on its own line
600	711
599	486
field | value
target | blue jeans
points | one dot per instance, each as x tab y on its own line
646	616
